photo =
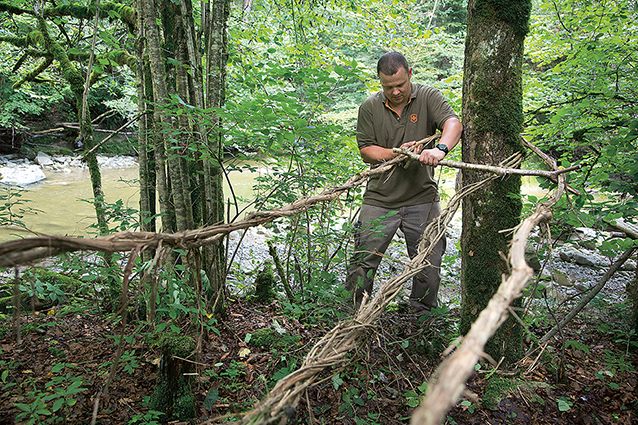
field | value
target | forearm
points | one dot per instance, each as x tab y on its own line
451	134
376	154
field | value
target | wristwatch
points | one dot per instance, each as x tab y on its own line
443	148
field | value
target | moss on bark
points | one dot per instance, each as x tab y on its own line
493	119
264	284
174	394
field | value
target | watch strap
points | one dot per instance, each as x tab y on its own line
443	147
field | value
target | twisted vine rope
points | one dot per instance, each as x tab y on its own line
349	335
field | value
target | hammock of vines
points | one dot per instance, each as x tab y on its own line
340	345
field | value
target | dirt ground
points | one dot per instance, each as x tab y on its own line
597	385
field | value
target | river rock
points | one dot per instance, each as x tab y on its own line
21	175
561	278
531	257
629	265
573	255
43	159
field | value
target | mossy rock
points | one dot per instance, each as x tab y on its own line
499	388
57	284
48	276
264	284
270	338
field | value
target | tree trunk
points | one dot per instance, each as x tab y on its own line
216	57
160	93
632	292
145	156
493	117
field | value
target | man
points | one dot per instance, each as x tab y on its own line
406	197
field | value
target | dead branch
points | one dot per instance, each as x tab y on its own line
548	160
75	126
451	376
449	380
114	133
51	130
629	229
492	169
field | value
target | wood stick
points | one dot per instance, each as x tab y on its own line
491	168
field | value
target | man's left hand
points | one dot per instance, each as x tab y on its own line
431	157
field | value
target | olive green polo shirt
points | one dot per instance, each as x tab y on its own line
378	124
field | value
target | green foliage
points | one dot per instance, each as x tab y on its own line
351	401
43	287
564	404
579	96
48	405
16	105
119	217
413	397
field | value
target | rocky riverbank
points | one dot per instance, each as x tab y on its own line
570	271
572	267
24	172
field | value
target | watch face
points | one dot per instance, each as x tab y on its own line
442	147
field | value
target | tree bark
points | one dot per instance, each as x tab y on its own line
160	93
216	44
492	116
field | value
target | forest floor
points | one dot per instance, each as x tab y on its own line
64	361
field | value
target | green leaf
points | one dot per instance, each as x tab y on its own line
57	367
413	402
58	404
22	406
278	327
211	399
563	405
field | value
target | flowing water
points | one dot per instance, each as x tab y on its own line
62	210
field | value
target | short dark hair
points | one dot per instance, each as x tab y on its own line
390	63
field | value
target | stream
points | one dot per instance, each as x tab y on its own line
60	208
60	205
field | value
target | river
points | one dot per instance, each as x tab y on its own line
62	211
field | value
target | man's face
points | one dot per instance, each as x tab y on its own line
397	87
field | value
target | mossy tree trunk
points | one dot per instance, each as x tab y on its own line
188	157
174	390
148	199
160	93
85	140
492	117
